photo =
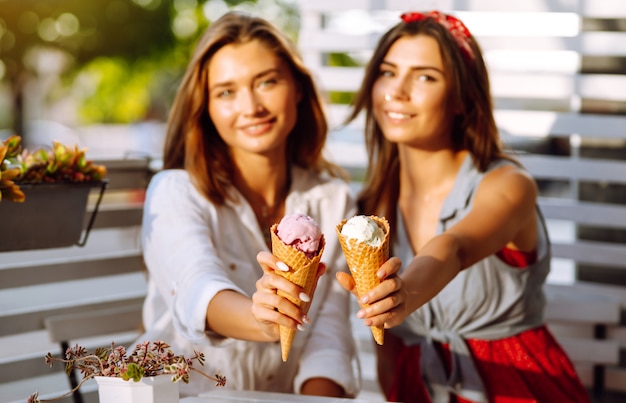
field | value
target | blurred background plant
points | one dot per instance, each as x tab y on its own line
59	164
80	62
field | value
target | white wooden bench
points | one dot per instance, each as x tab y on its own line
559	93
92	295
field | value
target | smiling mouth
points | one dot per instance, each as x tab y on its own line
258	128
399	116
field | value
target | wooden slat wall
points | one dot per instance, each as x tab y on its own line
559	88
43	292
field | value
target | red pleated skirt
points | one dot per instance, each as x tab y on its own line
530	367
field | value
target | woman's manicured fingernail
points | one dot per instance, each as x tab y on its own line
303	297
282	266
306	319
380	273
300	327
364	299
360	314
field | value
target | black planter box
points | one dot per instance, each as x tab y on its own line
52	216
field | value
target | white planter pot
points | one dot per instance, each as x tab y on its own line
155	389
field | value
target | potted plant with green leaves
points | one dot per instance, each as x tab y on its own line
44	194
149	374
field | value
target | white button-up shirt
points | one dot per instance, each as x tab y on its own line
194	249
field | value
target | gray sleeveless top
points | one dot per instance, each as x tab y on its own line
489	300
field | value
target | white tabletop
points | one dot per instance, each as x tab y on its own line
239	396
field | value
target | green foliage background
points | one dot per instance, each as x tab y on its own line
125	59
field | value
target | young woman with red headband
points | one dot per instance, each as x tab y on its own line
465	312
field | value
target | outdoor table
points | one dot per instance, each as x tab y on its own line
245	396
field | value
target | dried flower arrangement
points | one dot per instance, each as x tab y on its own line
147	359
60	164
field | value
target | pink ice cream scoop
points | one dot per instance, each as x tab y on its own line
301	232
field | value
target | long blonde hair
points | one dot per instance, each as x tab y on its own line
193	143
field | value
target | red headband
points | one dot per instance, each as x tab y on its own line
458	30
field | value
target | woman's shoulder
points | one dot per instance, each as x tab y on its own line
505	169
170	183
170	178
510	178
171	174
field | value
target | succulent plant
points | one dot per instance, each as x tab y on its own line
10	169
60	164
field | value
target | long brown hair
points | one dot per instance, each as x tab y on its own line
193	143
473	129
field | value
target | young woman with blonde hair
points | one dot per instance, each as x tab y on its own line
244	148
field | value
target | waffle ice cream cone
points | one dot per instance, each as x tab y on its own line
302	272
364	261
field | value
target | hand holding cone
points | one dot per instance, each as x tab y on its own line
302	271
364	261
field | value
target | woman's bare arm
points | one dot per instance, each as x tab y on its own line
503	214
